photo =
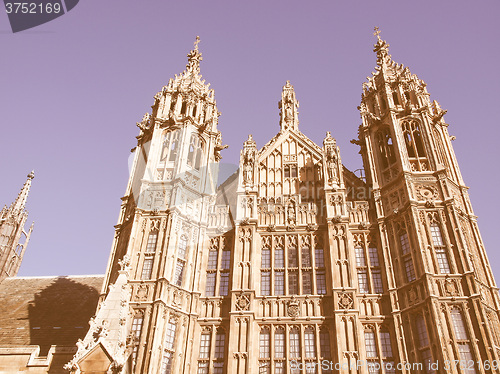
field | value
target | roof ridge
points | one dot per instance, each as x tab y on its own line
57	276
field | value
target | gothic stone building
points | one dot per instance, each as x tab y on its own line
294	264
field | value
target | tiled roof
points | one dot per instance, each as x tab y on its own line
47	311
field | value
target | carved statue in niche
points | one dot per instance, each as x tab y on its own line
332	158
288	111
249	154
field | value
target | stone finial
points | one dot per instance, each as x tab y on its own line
289	108
249	154
194	58
382	49
20	203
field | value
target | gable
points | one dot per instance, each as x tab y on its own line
97	361
288	165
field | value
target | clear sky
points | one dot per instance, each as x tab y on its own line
72	90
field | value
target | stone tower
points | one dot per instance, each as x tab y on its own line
161	236
13	236
442	295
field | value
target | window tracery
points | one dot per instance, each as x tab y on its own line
195	152
170	146
386	148
406	255
414	145
298	271
218	266
168	347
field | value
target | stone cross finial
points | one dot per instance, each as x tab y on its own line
377	32
194	58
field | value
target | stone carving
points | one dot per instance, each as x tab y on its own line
242	302
332	158
249	153
426	192
311	227
288	106
218	146
177	298
141	293
336	219
346	300
363	225
145	123
293	309
412	295
450	287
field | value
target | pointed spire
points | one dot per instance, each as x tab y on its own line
382	49
20	203
110	325
194	58
289	108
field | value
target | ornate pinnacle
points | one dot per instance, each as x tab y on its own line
194	58
197	41
289	108
20	203
381	48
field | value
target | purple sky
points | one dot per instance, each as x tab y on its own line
72	90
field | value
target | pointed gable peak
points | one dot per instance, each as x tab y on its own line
289	108
20	203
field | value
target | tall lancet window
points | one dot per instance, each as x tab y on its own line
168	347
386	148
414	145
170	146
195	152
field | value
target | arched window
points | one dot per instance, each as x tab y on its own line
205	341
279	343
172	103
324	342
135	331
310	343
220	343
151	244
386	147
370	344
409	270
395	98
195	152
264	343
170	146
294	343
182	246
413	139
168	347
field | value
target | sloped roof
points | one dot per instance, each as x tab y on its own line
47	311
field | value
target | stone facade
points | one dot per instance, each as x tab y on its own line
295	264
